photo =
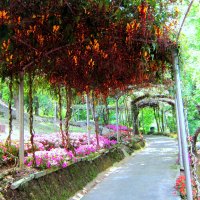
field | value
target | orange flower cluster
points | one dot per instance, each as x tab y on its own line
81	46
6	52
181	186
3	15
56	28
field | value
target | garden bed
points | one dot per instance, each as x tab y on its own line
62	183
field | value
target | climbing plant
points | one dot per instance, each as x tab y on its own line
99	46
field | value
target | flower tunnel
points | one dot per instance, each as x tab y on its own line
93	47
152	101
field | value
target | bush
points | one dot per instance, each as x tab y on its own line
136	146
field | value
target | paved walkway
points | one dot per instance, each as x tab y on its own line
149	175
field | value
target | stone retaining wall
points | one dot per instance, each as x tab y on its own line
61	184
64	183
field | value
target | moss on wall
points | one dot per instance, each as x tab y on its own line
64	183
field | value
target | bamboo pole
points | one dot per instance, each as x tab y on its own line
182	125
21	121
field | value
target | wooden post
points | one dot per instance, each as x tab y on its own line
21	121
182	126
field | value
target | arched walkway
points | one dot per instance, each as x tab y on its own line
147	101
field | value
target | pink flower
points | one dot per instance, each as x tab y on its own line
30	163
48	164
4	158
64	165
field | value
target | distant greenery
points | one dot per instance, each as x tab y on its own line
190	65
146	119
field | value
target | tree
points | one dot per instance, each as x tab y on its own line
190	60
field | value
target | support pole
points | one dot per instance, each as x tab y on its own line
179	138
117	118
182	126
21	121
88	117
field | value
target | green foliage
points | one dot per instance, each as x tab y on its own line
4	92
13	150
190	65
146	119
1	153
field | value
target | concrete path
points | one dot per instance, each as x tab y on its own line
149	175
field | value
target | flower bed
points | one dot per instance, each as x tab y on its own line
61	184
50	152
120	127
68	173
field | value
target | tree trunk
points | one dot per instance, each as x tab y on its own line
159	119
194	148
162	121
135	113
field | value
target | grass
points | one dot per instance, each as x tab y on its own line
198	171
43	126
175	166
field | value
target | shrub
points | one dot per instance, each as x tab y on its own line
136	146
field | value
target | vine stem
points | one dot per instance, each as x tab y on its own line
68	114
31	116
95	120
60	114
185	16
8	140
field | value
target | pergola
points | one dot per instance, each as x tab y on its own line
96	47
147	101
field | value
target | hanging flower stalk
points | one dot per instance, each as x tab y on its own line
8	140
30	82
